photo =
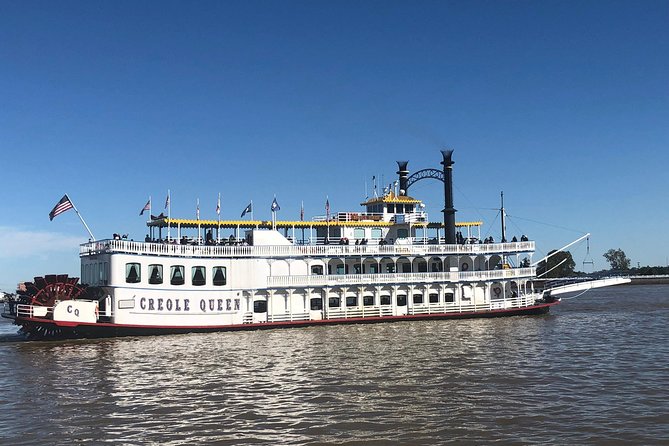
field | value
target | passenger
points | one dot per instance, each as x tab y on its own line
147	238
514	239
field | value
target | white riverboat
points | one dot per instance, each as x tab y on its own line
386	263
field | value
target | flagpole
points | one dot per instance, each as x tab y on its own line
252	211
150	227
199	236
218	232
80	217
169	215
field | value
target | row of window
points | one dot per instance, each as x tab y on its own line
198	274
374	269
316	303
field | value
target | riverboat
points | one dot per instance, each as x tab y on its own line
386	263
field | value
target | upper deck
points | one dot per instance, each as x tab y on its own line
298	251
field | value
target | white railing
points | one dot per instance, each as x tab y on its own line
174	250
429	309
25	310
404	278
288	317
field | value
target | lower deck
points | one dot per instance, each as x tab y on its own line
44	326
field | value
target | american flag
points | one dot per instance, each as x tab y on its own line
218	205
147	207
275	205
167	201
327	209
63	205
302	212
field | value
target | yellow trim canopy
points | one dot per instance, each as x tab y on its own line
392	198
249	224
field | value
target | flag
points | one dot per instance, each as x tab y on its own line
327	209
147	207
197	210
275	205
247	209
63	205
167	201
302	212
218	205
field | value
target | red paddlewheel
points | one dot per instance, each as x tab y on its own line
46	290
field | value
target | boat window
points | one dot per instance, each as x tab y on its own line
177	275
220	276
434	298
449	297
359	233
373	268
334	302
406	267
260	306
155	274
401	300
391	208
341	269
402	233
390	268
399	209
316	303
198	275
422	267
376	233
385	300
352	301
418	298
132	273
317	270
368	301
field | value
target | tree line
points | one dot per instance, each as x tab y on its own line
561	264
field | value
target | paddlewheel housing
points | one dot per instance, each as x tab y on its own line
46	292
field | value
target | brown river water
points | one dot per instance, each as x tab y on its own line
593	371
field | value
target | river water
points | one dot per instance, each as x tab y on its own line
593	371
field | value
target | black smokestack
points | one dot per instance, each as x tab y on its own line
449	210
404	176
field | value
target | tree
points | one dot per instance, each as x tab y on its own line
617	259
559	264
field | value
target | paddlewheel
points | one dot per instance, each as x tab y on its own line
45	291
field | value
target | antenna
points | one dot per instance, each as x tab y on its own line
588	258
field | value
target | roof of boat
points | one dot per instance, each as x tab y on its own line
392	198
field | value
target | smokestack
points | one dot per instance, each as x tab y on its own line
449	210
404	176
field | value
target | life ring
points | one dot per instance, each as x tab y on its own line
465	266
497	290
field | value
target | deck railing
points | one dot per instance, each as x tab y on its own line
174	250
404	278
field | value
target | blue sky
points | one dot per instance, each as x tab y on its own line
563	105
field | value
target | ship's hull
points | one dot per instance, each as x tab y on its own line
38	328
